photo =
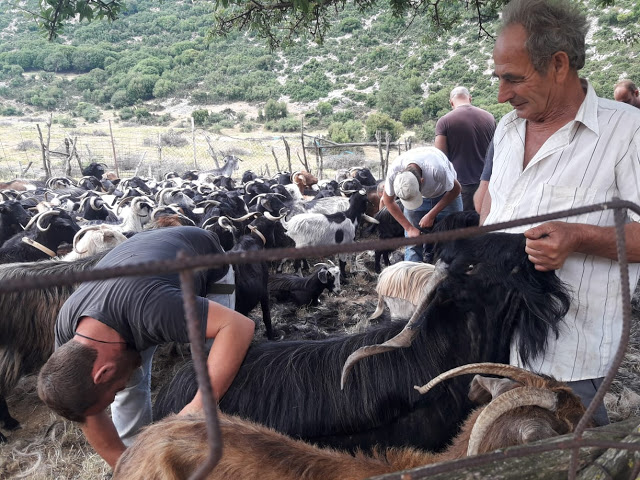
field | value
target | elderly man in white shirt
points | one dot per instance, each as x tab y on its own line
563	147
426	183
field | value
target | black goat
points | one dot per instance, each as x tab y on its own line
27	320
387	228
304	291
13	219
488	291
94	170
41	238
252	279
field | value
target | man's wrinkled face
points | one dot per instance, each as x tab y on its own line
530	93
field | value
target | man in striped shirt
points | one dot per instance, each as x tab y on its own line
563	147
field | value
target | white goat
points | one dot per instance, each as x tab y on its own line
94	239
402	286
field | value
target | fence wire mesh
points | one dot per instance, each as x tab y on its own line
153	151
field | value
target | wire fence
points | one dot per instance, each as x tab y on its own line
186	264
153	151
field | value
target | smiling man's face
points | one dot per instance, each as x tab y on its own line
529	92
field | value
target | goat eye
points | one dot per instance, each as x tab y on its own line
470	268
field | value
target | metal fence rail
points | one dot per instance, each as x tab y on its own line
184	265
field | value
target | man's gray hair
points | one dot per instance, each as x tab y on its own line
458	92
552	26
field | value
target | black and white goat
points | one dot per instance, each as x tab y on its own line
309	229
307	290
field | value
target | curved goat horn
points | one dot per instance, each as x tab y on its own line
45	215
244	217
92	203
370	219
518	397
81	233
268	216
518	374
401	340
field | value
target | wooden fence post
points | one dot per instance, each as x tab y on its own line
287	150
193	142
304	152
113	147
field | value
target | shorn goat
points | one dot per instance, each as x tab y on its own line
521	409
487	291
402	286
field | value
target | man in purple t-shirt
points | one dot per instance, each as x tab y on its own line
464	135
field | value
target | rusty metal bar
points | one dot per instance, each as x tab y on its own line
512	452
200	365
211	261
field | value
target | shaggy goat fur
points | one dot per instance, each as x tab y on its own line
27	320
176	446
471	318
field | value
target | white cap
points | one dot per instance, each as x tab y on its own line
407	189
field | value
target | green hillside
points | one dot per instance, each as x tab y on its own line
370	62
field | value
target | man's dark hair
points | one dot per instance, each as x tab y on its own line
65	383
552	26
415	169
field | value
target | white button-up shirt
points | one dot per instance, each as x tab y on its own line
592	159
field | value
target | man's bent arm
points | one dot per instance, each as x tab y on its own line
396	212
441	144
446	199
233	333
103	437
549	244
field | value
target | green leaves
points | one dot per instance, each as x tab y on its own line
54	14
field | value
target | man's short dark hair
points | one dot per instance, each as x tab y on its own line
65	382
552	26
415	169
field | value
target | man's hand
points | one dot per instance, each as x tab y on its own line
413	232
194	406
428	220
549	245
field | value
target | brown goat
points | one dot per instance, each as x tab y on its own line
530	408
303	180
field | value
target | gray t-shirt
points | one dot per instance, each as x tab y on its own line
146	310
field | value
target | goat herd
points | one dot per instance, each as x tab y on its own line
301	408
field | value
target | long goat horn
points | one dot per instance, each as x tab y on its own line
45	215
518	374
401	340
518	397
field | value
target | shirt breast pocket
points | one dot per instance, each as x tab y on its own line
556	198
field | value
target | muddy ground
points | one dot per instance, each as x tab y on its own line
48	447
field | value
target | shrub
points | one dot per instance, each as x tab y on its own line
411	116
288	124
384	123
200	117
89	112
427	131
324	108
274	110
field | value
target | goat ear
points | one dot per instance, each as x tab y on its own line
322	275
484	389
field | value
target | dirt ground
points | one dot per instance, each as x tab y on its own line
47	447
